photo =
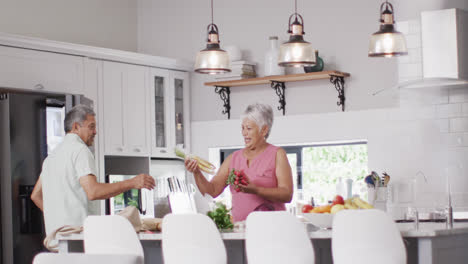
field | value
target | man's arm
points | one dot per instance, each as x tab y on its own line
36	195
97	191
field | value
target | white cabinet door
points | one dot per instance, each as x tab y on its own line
161	141
125	100
137	111
113	110
170	112
180	110
40	70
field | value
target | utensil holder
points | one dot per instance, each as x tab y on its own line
378	197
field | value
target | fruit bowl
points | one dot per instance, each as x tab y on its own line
320	220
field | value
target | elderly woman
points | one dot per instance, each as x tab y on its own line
266	166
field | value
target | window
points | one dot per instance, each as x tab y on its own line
322	166
317	168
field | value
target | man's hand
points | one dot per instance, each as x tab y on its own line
143	181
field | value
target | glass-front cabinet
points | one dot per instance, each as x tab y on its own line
180	81
170	112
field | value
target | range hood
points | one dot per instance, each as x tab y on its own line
444	38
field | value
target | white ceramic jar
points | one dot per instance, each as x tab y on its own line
271	58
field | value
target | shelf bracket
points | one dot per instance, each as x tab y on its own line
338	81
224	92
279	87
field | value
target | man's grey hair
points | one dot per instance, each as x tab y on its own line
77	114
261	114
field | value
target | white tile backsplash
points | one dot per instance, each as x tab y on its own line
406	59
402	26
413	41
410	70
459	124
448	110
465	109
452	140
449	113
458	95
443	124
414	26
415	55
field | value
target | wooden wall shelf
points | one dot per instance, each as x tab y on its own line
277	82
280	78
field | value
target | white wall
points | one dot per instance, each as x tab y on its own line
408	131
178	29
103	23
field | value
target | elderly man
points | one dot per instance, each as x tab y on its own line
68	177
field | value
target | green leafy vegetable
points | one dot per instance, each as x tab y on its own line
221	216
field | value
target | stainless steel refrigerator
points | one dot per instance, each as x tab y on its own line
30	124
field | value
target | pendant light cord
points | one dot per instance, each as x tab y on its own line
211	11
295	6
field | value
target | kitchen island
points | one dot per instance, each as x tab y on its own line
432	243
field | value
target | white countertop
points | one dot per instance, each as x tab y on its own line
425	230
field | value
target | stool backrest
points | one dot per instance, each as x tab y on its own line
191	238
277	237
365	237
110	234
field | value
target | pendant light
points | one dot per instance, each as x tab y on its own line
387	42
212	60
296	52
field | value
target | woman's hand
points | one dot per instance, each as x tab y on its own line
249	188
192	165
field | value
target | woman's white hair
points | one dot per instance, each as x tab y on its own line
261	114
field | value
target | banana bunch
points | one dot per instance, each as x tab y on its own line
348	204
357	203
203	165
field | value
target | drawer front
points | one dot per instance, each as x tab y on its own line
40	70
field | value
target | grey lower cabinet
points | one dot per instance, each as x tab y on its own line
441	249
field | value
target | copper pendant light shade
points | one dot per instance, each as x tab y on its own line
387	42
296	52
212	59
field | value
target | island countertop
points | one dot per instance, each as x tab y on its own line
407	230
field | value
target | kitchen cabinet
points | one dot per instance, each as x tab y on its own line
41	71
170	116
125	107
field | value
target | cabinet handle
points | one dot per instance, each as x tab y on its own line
39	86
119	149
137	150
163	151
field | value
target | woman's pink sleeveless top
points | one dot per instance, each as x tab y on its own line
262	173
